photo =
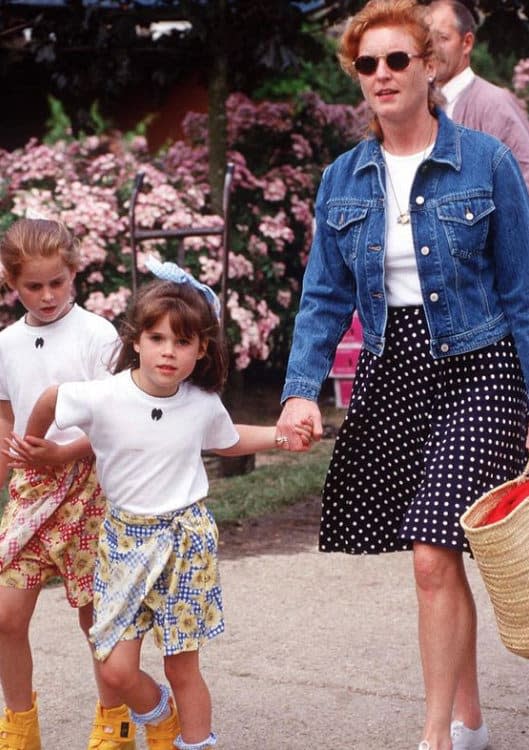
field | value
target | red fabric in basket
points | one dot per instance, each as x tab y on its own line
507	504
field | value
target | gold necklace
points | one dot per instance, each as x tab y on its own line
404	216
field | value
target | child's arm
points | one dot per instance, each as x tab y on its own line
7	420
34	449
43	413
254	438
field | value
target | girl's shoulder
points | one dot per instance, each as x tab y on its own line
13	329
89	320
14	336
106	389
195	392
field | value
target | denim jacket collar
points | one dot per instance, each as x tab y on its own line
447	148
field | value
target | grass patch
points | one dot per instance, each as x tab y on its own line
286	479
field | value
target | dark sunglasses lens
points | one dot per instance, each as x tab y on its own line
366	65
398	60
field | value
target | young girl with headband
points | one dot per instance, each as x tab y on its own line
51	521
157	566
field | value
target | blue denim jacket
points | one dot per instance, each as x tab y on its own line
469	211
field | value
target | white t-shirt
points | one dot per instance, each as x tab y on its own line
148	449
402	283
78	346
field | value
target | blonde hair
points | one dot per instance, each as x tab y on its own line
382	13
29	239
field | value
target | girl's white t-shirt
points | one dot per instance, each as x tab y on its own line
148	449
78	346
402	284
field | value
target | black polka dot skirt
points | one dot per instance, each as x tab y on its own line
421	441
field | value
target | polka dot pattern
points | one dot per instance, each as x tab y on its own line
421	441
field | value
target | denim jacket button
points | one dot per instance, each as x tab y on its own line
419	200
444	348
434	297
425	250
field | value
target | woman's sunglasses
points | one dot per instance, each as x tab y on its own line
366	65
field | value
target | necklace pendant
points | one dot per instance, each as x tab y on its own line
404	218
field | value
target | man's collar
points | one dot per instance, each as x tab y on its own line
457	84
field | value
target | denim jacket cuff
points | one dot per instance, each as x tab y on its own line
300	389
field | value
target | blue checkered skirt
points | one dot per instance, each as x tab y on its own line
157	573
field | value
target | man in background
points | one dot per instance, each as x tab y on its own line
471	100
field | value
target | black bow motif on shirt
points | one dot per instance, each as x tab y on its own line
156	414
39	343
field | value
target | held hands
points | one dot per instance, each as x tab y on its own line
31	452
304	430
299	424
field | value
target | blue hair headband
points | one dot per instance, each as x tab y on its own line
169	271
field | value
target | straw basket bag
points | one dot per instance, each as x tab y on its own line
501	550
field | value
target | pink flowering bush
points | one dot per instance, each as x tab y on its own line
279	150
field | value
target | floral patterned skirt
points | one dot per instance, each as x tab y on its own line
159	573
50	527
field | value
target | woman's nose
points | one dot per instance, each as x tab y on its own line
382	70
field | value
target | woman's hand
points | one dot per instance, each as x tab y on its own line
299	418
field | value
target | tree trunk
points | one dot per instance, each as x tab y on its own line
217	117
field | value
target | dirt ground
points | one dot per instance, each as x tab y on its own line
290	529
293	527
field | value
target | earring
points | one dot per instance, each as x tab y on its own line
431	79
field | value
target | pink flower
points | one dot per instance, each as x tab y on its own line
111	306
275	190
284	297
520	75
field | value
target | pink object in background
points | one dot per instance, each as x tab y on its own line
345	361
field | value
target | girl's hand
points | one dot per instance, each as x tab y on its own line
305	430
300	423
32	452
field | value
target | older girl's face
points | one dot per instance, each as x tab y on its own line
44	287
394	96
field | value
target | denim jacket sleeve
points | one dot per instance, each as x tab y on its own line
510	236
325	312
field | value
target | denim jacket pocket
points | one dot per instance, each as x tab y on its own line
466	224
347	221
